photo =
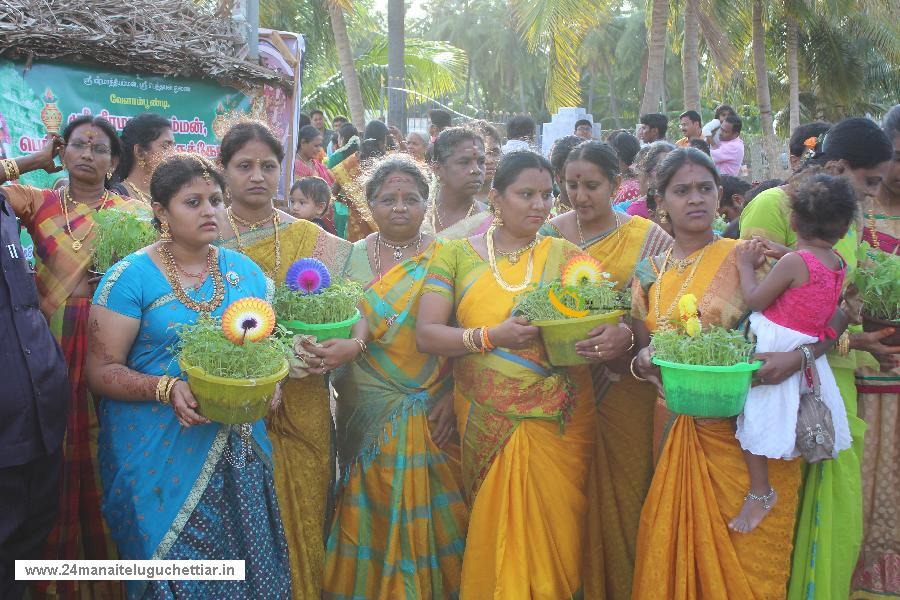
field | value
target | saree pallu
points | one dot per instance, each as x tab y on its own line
878	571
829	524
685	549
527	442
400	524
170	492
301	430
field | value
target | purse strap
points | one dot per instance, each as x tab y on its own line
810	371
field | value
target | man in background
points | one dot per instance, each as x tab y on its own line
584	129
653	128
439	121
691	128
317	119
337	122
728	153
519	134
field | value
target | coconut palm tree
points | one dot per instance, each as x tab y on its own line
653	90
396	35
336	10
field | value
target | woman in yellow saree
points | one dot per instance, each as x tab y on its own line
400	521
623	458
301	428
685	548
527	429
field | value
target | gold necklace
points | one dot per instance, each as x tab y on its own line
663	325
437	215
581	235
378	241
171	268
137	193
513	256
276	221
64	198
397	248
492	261
252	226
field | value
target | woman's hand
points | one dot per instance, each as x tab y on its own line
50	151
605	342
443	421
331	354
771	249
646	369
870	341
750	253
514	333
185	406
777	366
275	402
399	140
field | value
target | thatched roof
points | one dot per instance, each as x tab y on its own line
158	37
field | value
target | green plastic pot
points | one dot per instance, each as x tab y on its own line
560	336
323	331
706	391
230	400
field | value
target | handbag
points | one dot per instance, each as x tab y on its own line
815	429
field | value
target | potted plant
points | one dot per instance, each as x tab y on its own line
233	364
878	281
119	233
704	373
310	303
565	310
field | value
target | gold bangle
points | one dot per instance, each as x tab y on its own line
161	385
167	395
15	168
363	347
631	368
468	340
7	170
844	343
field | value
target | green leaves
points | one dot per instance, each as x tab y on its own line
335	303
119	233
535	305
715	347
878	281
204	345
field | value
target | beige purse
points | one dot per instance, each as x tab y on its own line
815	429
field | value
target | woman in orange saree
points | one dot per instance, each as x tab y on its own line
527	428
623	457
62	225
301	428
685	548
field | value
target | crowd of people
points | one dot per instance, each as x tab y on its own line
437	453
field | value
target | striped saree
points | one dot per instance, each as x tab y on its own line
684	548
623	457
527	438
400	522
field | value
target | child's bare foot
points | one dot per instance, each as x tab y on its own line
753	512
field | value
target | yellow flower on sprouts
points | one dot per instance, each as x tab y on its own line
248	319
690	316
581	270
692	326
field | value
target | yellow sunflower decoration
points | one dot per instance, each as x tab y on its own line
581	270
248	319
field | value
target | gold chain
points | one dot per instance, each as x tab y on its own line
492	261
581	235
64	198
437	215
276	221
171	268
514	255
138	193
660	323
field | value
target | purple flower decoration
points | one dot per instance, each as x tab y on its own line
308	276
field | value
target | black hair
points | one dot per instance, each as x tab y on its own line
693	115
581	122
732	185
735	121
314	188
303	120
656	121
700	145
600	154
347	131
760	187
315	112
891	123
520	127
561	149
369	149
307	134
115	144
654	152
679	157
485	129
824	206
396	163
141	130
803	133
247	131
177	171
512	165
722	108
859	141
376	130
448	139
440	118
341	118
627	146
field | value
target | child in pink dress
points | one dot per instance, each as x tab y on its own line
794	304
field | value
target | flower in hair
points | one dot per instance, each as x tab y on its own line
308	276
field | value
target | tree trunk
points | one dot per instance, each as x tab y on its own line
613	98
793	43
761	71
396	68
590	98
657	56
522	104
348	69
689	59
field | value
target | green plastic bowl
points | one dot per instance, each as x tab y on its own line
323	331
706	391
560	335
232	401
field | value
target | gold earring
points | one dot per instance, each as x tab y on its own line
497	221
662	215
165	235
108	175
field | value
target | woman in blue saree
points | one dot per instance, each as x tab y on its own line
175	485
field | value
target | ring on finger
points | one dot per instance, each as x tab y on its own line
322	363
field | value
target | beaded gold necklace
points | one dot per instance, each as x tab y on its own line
171	268
276	221
495	271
